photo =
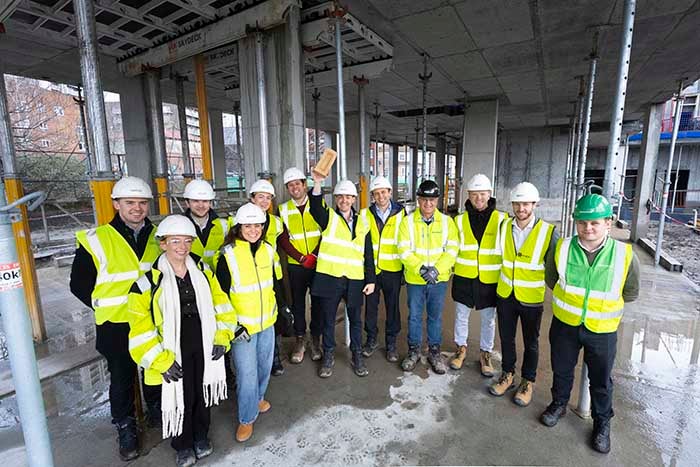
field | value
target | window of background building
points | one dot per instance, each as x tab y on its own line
44	126
58	110
45	143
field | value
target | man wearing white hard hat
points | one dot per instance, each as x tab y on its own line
108	259
211	229
476	271
524	242
304	235
182	323
344	271
384	217
274	232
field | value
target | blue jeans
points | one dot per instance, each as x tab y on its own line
253	361
431	297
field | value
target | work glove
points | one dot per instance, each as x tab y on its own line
429	274
173	374
241	334
217	352
285	321
308	261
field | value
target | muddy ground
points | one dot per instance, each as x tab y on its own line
683	244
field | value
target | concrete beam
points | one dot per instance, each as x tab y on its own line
646	174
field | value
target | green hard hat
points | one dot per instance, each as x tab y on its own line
591	207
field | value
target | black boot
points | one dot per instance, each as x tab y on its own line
413	357
326	369
601	436
392	355
370	347
154	418
552	414
435	360
277	368
128	439
358	364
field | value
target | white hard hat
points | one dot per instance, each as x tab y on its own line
345	187
479	182
293	174
176	225
262	186
379	181
199	189
131	187
524	192
250	213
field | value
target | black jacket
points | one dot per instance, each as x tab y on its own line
472	292
83	274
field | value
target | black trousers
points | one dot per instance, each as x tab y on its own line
195	426
112	342
509	311
329	310
300	280
598	354
389	283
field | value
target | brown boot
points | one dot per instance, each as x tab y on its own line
458	360
298	351
523	396
485	362
244	432
316	352
504	383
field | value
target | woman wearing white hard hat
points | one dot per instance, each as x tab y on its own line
182	323
211	229
249	270
344	271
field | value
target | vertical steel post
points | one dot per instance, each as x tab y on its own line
154	107
361	82
262	104
187	172
341	97
569	161
103	179
577	155
376	116
675	182
414	163
618	108
623	172
239	148
667	179
583	407
425	77
89	155
316	96
587	122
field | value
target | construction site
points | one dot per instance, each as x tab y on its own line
590	96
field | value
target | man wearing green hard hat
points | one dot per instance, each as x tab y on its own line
592	276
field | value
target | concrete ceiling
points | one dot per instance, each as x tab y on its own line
525	53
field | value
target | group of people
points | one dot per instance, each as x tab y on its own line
185	298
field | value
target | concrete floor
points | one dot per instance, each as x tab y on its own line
392	417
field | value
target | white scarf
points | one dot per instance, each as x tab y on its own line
214	380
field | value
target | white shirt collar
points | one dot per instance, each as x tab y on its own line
529	225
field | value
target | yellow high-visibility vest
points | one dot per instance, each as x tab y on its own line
340	255
524	271
252	291
385	245
217	235
274	230
117	268
479	259
304	232
591	294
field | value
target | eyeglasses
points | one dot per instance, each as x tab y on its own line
178	241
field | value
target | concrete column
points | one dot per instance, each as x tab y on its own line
479	140
134	126
395	168
440	152
218	150
284	81
646	174
352	144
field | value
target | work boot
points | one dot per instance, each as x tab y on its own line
316	353
358	364
458	360
435	360
203	448
601	436
264	406
504	383
369	347
154	417
485	362
392	355
244	432
277	368
326	369
552	414
523	396
298	351
409	363
128	439
185	458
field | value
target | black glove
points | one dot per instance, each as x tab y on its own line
173	374
429	274
241	334
217	352
285	321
